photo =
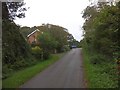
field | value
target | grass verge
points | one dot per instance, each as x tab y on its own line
98	76
22	76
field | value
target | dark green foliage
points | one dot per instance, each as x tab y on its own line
6	71
101	37
99	69
81	43
97	59
46	54
15	49
101	29
16	53
14	45
25	31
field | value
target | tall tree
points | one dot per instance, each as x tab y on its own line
57	32
100	28
14	47
10	10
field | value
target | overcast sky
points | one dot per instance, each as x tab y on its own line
65	13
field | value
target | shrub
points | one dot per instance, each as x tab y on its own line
46	54
37	51
40	53
65	48
5	70
97	59
19	64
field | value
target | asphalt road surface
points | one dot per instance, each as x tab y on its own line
65	73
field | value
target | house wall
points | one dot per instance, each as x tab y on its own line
33	38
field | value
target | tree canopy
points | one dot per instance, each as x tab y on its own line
101	37
11	10
101	28
15	49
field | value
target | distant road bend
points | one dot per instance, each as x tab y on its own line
65	73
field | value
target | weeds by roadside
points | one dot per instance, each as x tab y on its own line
100	74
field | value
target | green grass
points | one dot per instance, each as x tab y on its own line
22	76
96	75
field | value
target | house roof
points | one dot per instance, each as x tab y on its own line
33	32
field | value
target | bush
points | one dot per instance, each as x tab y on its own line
46	54
97	59
37	51
5	70
65	48
19	64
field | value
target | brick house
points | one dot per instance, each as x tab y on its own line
32	37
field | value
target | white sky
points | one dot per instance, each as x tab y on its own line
65	13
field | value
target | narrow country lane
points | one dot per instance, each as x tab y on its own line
65	73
